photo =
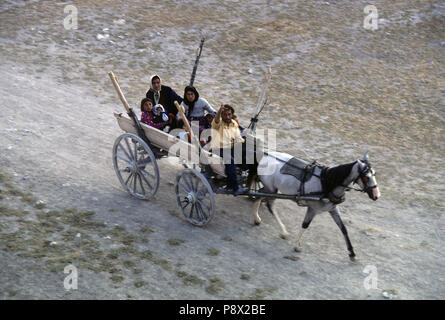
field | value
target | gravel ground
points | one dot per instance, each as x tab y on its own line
337	90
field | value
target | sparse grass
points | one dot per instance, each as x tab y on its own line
245	276
175	242
293	258
146	229
3	177
116	278
15	192
192	280
113	255
338	74
146	255
127	250
140	283
4	210
212	252
426	245
165	264
174	213
119	234
216	285
84	252
261	293
12	293
81	219
110	267
129	263
29	198
25	197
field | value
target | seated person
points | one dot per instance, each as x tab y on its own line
162	94
209	119
195	107
225	134
184	135
160	116
148	114
207	125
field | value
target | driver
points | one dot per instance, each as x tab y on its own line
225	133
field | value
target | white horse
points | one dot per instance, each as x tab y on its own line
329	182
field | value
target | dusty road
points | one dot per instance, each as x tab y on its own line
57	131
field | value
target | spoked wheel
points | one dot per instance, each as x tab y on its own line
195	197
135	166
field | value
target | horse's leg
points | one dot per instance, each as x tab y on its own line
335	214
255	207
310	214
270	205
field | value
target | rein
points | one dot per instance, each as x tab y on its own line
362	175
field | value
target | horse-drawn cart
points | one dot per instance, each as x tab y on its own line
135	155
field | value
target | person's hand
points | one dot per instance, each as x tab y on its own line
218	114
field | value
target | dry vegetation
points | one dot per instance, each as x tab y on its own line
337	90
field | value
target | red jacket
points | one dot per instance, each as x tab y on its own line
147	118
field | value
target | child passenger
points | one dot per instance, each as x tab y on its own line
148	115
160	114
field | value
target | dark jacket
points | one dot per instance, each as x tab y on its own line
167	98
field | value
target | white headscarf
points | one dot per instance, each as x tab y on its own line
151	79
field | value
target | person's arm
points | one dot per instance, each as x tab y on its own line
165	117
175	96
217	118
238	138
144	117
208	107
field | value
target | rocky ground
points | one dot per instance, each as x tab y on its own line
337	90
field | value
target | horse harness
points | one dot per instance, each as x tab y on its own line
363	176
303	171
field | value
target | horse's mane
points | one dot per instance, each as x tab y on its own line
334	176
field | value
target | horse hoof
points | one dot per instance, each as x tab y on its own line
257	222
298	249
284	236
352	257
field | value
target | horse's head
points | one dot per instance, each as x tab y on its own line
366	179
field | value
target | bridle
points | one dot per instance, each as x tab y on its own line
363	175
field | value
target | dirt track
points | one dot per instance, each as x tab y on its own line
55	145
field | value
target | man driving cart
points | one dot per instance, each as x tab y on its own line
225	134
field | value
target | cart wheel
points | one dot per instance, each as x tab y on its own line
135	166
195	197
